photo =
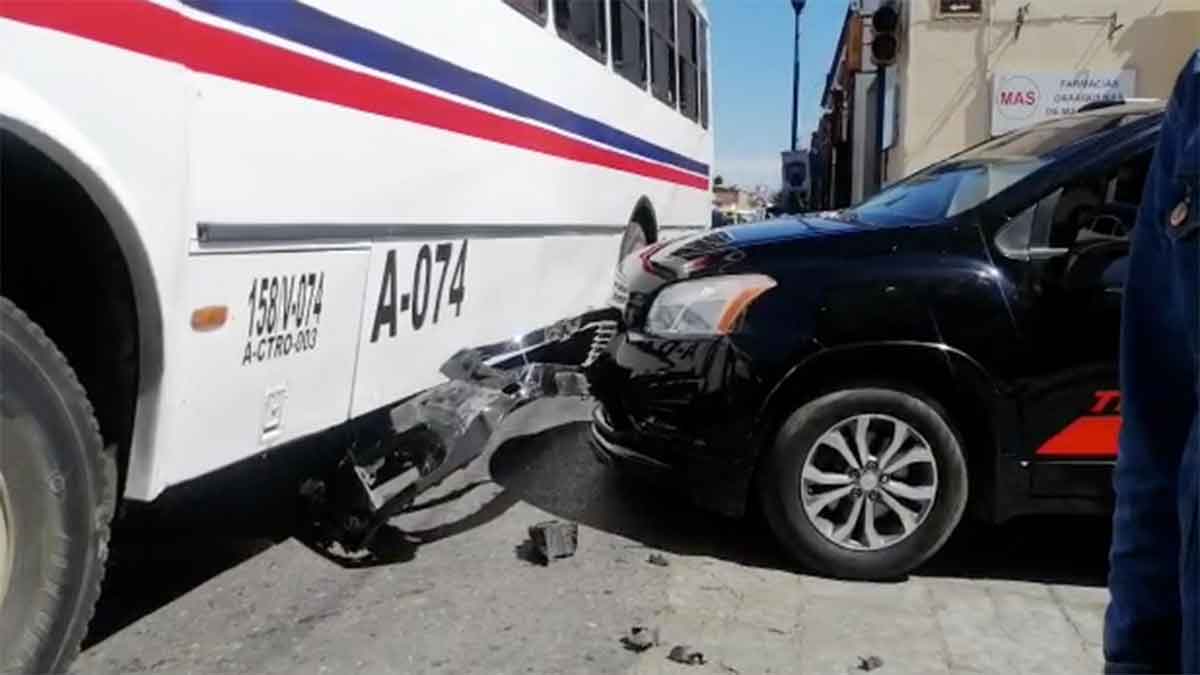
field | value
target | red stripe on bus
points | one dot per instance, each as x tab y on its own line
146	28
1085	437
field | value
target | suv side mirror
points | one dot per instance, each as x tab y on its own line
1014	239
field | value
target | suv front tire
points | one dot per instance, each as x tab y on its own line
864	483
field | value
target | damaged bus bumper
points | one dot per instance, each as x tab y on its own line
403	451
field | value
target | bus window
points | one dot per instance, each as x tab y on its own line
688	89
703	51
629	39
581	22
534	9
662	50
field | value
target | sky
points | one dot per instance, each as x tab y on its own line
752	81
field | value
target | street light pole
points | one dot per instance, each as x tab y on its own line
797	6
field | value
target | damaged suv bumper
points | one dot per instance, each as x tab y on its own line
615	448
679	410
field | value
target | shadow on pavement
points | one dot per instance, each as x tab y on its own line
393	545
198	532
555	471
146	575
1046	549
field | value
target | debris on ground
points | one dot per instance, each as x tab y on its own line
555	539
869	663
686	655
658	559
729	669
640	638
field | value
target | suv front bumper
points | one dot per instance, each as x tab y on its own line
680	410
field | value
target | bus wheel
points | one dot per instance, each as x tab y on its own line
634	239
57	495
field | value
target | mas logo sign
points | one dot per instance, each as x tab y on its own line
1021	99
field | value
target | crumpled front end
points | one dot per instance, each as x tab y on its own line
678	407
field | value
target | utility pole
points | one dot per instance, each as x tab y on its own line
797	7
880	113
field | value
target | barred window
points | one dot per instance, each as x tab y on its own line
662	50
688	44
582	23
629	39
534	9
703	51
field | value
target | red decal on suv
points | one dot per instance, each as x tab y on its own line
1092	435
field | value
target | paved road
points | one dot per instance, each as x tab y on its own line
224	587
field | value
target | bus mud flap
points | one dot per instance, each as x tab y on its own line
417	444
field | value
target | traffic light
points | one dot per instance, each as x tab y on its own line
885	23
795	181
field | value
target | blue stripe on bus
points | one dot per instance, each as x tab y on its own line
299	23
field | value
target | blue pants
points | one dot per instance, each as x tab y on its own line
1153	621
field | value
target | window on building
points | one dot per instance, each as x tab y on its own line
581	22
702	32
662	50
687	43
534	9
629	39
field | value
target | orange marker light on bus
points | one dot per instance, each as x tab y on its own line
209	318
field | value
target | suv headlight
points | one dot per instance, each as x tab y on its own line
709	306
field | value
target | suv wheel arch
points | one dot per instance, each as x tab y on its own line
972	398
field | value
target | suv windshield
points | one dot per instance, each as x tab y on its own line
945	189
966	180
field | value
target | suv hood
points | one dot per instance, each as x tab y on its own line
726	250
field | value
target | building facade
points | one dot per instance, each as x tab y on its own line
737	205
968	70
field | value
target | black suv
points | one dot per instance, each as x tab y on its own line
869	374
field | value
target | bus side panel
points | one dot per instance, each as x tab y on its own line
264	157
418	313
270	161
280	367
305	160
496	41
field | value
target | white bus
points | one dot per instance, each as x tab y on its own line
229	224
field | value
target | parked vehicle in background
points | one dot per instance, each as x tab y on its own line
869	374
230	225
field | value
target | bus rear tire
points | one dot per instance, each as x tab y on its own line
634	239
58	490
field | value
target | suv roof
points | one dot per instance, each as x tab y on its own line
1061	136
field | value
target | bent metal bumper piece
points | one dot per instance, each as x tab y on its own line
442	430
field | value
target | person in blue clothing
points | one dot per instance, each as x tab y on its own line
1153	621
